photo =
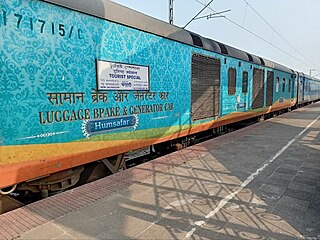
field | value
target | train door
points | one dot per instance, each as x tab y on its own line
299	88
205	87
292	87
303	89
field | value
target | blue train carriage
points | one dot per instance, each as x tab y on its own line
94	79
309	89
229	85
80	85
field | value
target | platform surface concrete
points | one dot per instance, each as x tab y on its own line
262	182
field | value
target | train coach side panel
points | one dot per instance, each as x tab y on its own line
52	115
75	88
285	90
309	89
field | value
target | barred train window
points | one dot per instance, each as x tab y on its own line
277	84
245	82
205	87
232	81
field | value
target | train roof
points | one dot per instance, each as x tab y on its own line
114	12
308	76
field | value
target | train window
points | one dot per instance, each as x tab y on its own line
283	85
232	81
277	84
289	86
245	82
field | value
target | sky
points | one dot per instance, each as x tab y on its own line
298	23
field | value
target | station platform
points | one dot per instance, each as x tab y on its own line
259	182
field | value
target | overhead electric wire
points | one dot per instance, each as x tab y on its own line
205	6
280	35
245	14
256	35
212	15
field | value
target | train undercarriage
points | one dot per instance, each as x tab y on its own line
36	189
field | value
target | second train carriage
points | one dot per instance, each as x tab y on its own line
308	90
93	79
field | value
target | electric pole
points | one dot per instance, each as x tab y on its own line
171	11
311	70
